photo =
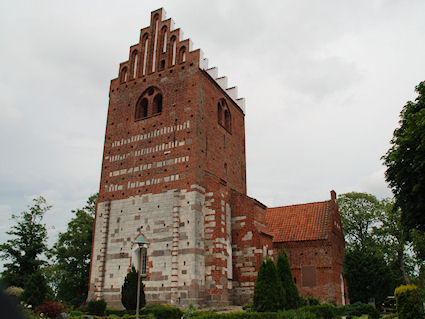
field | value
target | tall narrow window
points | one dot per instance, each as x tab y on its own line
145	54
219	113
227	120
144	261
157	103
182	54
124	75
141	109
164	39
155	43
134	63
174	50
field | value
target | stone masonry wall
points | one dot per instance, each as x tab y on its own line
173	222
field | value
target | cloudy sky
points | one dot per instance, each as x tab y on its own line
324	83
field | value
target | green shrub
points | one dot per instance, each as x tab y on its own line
162	311
112	311
268	290
129	291
97	307
288	314
409	305
290	295
35	289
83	308
248	307
324	311
75	313
364	309
309	301
190	311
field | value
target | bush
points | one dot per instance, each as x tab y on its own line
248	307
364	309
15	292
309	301
268	290
97	307
35	289
291	297
129	291
51	308
409	305
112	311
190	311
288	314
324	311
75	313
83	308
162	311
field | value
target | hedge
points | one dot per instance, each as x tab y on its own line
289	314
162	311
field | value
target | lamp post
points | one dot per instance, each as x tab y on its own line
143	244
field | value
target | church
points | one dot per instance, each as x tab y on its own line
174	177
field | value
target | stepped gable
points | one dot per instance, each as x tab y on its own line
168	50
300	222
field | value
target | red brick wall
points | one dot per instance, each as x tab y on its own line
250	245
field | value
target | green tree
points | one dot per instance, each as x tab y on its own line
359	215
392	237
129	291
36	288
405	162
72	252
291	297
28	243
418	245
368	275
268	290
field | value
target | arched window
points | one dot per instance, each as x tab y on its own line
149	104
157	103
124	75
227	120
173	50
134	63
155	43
224	117
141	109
219	113
164	39
182	54
145	43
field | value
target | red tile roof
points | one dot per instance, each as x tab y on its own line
298	222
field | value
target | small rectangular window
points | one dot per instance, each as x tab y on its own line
143	270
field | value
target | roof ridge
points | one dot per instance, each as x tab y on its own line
319	202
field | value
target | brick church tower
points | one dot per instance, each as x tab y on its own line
173	173
174	149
